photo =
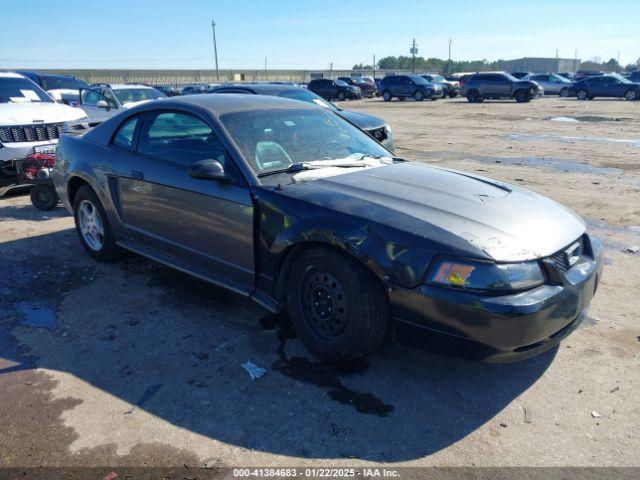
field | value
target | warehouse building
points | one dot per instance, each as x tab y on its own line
538	64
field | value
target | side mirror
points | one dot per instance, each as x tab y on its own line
209	170
102	104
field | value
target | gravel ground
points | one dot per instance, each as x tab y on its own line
134	364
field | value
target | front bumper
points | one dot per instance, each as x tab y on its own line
15	150
496	328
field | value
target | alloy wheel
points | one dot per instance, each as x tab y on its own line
91	226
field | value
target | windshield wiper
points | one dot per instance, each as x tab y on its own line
300	166
293	168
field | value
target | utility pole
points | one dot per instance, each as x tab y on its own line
556	53
374	67
331	70
215	48
414	50
449	62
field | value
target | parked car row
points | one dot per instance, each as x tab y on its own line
525	86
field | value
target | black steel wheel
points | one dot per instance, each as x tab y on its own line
337	306
324	303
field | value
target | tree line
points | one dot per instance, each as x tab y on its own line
451	66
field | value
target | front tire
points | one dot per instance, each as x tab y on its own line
44	197
92	226
631	95
418	96
386	96
338	308
582	95
522	96
564	92
341	96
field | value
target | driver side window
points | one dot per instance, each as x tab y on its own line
180	138
90	97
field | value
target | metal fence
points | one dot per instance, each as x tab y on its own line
179	78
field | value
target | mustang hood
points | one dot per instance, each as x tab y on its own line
496	220
362	120
26	113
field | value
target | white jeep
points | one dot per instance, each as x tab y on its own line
30	123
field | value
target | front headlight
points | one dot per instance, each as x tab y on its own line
485	276
387	128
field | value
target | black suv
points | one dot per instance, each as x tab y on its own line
368	89
407	86
330	89
481	86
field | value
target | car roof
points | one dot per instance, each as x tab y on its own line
211	103
128	86
218	105
11	75
54	75
262	88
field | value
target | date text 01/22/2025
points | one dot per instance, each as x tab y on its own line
316	472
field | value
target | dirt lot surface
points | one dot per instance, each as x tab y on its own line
134	364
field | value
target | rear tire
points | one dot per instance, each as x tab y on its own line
386	96
473	96
582	95
92	226
338	308
44	197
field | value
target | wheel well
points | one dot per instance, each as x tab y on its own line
73	186
291	253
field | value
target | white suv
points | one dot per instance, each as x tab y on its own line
30	121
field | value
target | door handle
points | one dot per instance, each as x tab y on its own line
136	175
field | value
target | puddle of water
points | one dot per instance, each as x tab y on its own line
586	118
568	139
563	119
36	316
554	164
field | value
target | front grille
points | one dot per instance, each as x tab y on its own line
380	134
560	259
31	133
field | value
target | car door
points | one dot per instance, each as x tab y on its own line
546	82
332	89
614	87
596	87
203	226
403	84
502	86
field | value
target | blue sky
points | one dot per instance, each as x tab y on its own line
298	34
